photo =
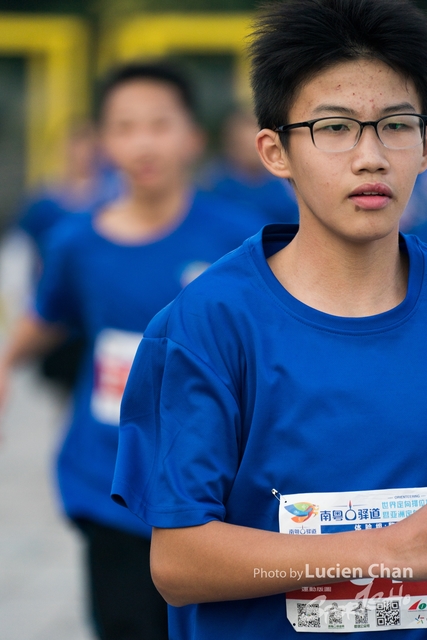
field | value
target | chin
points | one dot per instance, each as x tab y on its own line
373	234
374	225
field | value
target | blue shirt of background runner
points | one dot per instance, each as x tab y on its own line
98	285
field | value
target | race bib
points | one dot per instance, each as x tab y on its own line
113	357
382	602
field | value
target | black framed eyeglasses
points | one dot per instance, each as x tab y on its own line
336	133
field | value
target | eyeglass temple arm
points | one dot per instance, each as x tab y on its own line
286	127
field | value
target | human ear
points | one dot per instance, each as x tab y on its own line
272	154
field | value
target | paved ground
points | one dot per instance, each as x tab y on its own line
41	588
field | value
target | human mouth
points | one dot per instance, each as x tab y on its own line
371	196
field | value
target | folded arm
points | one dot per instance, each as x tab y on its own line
219	561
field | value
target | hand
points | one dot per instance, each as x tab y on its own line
406	544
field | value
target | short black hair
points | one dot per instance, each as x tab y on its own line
159	71
296	39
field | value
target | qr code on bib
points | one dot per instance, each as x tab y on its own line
387	613
361	619
308	615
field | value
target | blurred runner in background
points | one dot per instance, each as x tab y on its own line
239	174
107	277
89	181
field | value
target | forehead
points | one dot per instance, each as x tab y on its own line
143	97
365	87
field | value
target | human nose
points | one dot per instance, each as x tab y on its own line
369	153
143	140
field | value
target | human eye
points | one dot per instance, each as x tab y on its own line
123	127
401	131
395	126
333	126
400	124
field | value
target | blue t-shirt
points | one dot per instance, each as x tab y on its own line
274	197
420	231
111	291
260	391
49	207
415	212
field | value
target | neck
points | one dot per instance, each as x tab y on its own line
157	208
343	278
141	216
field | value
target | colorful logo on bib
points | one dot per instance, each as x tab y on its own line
302	511
418	605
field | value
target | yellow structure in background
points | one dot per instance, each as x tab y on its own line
165	34
56	51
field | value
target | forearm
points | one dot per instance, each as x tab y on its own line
219	561
31	337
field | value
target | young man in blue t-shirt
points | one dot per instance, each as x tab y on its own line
295	368
107	274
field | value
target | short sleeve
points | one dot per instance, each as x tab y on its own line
39	217
178	444
55	298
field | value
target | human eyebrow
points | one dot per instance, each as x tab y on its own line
403	106
341	110
333	108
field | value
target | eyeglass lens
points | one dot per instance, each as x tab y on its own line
342	134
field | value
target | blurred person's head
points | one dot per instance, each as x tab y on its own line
81	150
148	127
238	142
297	40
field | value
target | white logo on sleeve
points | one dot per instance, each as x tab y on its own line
113	356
